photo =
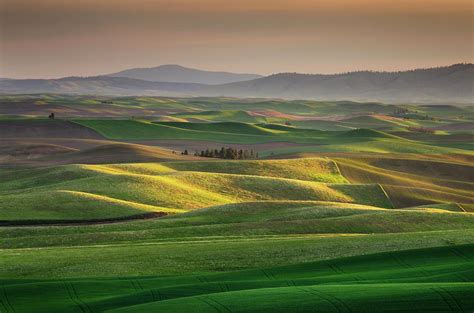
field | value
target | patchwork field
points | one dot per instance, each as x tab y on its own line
347	207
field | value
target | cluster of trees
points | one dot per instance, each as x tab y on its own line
405	113
401	111
421	117
427	118
225	153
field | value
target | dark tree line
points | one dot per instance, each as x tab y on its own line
225	153
401	111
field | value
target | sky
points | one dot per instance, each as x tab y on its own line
57	38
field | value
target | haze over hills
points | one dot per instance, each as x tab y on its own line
180	74
453	83
98	85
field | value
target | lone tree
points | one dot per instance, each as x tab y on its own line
51	116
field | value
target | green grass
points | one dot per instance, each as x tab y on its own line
242	133
67	205
223	127
141	130
404	281
387	122
368	145
366	121
356	233
227	132
107	191
247	129
238	110
224	115
314	169
212	255
246	220
410	181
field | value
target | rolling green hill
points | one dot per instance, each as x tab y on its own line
309	140
404	281
350	207
141	130
314	169
222	115
410	181
224	127
82	191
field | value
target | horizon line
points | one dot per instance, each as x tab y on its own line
239	73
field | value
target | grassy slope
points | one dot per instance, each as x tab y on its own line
402	281
357	115
367	121
410	181
258	234
314	169
211	255
82	191
386	122
245	220
67	205
79	191
371	145
403	297
263	129
234	133
140	130
224	115
263	234
121	153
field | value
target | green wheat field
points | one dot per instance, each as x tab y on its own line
297	206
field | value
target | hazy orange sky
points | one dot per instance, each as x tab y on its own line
55	38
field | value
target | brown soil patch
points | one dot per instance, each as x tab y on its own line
35	107
102	154
465	126
45	129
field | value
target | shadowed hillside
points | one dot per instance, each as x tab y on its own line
385	280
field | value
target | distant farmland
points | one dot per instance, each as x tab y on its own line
347	208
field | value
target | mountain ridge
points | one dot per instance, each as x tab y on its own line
453	83
98	85
179	74
448	83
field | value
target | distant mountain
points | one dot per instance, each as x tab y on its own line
98	85
180	74
437	85
452	83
